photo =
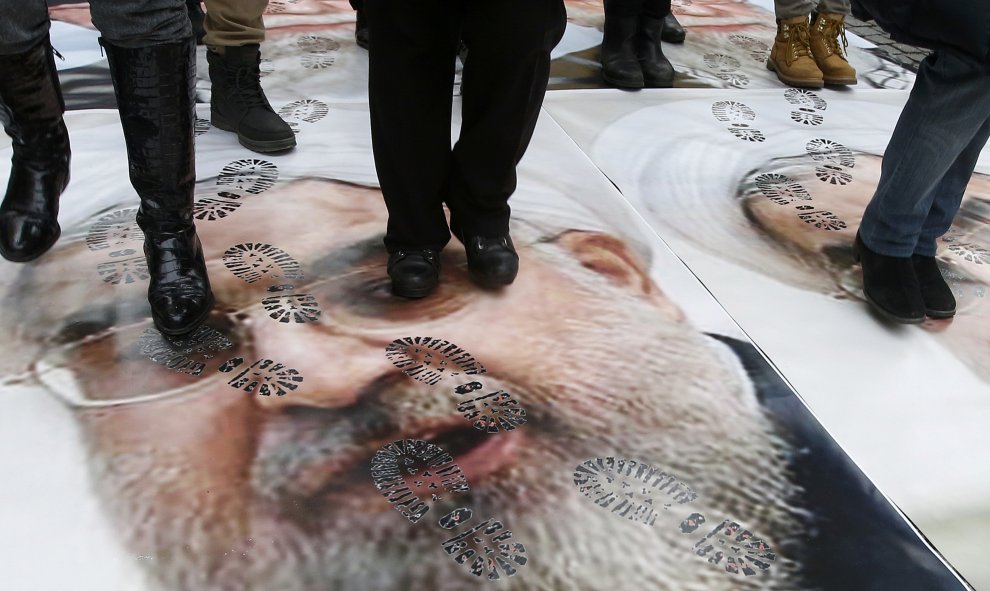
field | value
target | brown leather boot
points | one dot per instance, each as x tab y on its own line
828	46
791	55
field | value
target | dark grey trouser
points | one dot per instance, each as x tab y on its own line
125	23
792	8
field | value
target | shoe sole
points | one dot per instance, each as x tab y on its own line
188	328
940	314
413	294
841	81
795	82
261	146
622	83
488	283
28	259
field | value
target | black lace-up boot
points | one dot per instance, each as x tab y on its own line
414	273
155	87
238	103
31	110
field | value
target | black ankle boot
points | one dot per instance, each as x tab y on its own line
492	262
31	109
673	32
620	67
155	87
890	285
414	273
657	70
936	293
196	17
238	103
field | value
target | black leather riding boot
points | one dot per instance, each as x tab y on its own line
890	285
31	109
620	67
657	69
154	88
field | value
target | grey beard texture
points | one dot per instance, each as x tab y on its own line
659	394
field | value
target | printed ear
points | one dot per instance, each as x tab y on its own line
613	259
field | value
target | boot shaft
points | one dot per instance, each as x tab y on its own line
31	100
793	40
155	89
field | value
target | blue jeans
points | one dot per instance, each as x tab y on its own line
124	23
930	157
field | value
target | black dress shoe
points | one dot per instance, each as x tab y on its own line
414	273
890	285
673	32
492	262
939	301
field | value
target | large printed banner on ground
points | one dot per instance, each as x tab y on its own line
602	424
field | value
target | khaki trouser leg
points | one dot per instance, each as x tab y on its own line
234	22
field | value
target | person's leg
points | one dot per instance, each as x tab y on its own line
503	83
152	56
786	9
828	42
361	36
657	69
620	65
234	32
411	78
948	193
935	133
931	154
31	110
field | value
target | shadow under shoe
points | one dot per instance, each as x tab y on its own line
492	262
238	103
155	100
414	273
658	72
620	66
673	32
936	293
31	108
890	285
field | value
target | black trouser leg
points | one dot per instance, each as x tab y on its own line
504	82
411	85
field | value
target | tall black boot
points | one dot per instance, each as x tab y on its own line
673	32
155	88
238	103
620	67
31	109
657	70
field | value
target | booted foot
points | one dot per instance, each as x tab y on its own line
936	293
31	98
890	285
620	66
828	47
657	69
492	262
179	293
673	32
238	103
414	273
791	55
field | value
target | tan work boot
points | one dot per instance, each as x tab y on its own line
791	55
829	52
